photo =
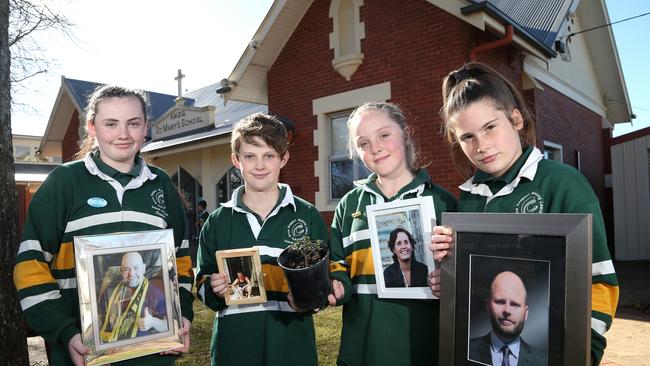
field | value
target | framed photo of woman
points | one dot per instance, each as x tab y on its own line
399	235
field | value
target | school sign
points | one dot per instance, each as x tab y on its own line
182	120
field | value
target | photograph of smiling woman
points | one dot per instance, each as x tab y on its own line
405	271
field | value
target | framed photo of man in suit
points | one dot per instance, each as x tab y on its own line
128	294
516	290
508	310
400	233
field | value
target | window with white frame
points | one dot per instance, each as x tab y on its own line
333	168
343	170
552	151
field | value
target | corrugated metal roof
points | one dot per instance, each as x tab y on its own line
233	111
540	18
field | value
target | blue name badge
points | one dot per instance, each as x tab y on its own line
97	202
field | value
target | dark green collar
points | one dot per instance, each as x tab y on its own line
422	177
509	176
123	178
239	202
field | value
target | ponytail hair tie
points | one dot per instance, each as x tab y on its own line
462	74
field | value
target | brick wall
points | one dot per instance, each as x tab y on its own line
413	48
565	122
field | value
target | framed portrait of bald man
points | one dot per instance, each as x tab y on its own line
516	290
128	295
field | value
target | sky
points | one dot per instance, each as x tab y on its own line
633	51
127	43
139	44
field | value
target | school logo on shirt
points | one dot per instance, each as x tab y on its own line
530	203
297	229
158	197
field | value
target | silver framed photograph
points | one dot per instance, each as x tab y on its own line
399	235
244	270
128	294
516	286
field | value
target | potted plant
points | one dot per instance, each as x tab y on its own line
306	267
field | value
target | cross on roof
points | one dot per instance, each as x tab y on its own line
180	77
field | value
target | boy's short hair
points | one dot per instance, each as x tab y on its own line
266	127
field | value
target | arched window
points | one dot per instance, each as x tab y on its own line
227	184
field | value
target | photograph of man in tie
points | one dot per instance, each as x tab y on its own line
508	311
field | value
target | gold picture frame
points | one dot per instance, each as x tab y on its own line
244	270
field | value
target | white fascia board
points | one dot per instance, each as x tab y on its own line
264	53
533	69
189	146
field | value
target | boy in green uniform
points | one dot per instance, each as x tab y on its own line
262	213
492	133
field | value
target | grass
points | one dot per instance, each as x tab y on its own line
200	337
328	332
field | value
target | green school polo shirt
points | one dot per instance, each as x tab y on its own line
538	185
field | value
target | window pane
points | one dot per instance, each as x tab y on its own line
21	152
227	184
222	191
362	172
342	176
235	179
339	135
549	154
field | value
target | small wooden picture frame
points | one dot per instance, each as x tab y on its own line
244	270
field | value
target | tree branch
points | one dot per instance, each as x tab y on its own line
15	80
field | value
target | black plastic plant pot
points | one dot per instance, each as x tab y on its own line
309	286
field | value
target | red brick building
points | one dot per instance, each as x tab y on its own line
313	62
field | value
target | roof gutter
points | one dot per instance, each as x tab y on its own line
506	40
493	11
